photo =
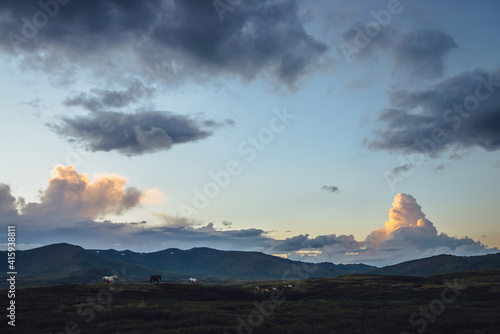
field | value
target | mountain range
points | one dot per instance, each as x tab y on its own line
64	263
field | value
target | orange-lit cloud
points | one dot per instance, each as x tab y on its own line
406	215
153	196
407	235
70	194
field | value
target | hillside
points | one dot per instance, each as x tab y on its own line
440	264
64	263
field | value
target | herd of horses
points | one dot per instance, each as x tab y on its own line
155	279
284	287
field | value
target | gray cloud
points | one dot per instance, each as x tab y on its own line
422	52
331	189
439	168
416	53
459	113
133	133
174	40
106	99
8	204
321	242
397	171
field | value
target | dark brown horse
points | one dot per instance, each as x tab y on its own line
155	279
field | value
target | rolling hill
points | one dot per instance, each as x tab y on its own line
440	264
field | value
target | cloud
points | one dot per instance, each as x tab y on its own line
439	168
422	52
321	243
406	213
8	204
171	221
173	39
331	189
106	99
154	196
416	53
134	133
397	171
459	113
74	196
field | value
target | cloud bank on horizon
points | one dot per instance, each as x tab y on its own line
68	209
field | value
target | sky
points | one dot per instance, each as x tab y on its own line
340	131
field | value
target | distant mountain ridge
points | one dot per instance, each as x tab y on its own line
64	263
440	264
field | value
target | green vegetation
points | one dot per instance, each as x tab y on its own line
345	304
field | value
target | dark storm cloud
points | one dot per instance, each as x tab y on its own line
172	39
331	189
133	133
417	53
458	113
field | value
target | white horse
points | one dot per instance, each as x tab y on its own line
193	281
109	279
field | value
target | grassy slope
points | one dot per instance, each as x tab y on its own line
346	304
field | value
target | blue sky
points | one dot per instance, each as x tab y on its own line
330	125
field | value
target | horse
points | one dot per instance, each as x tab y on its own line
193	281
109	279
155	279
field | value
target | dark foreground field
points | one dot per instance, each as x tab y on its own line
470	303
